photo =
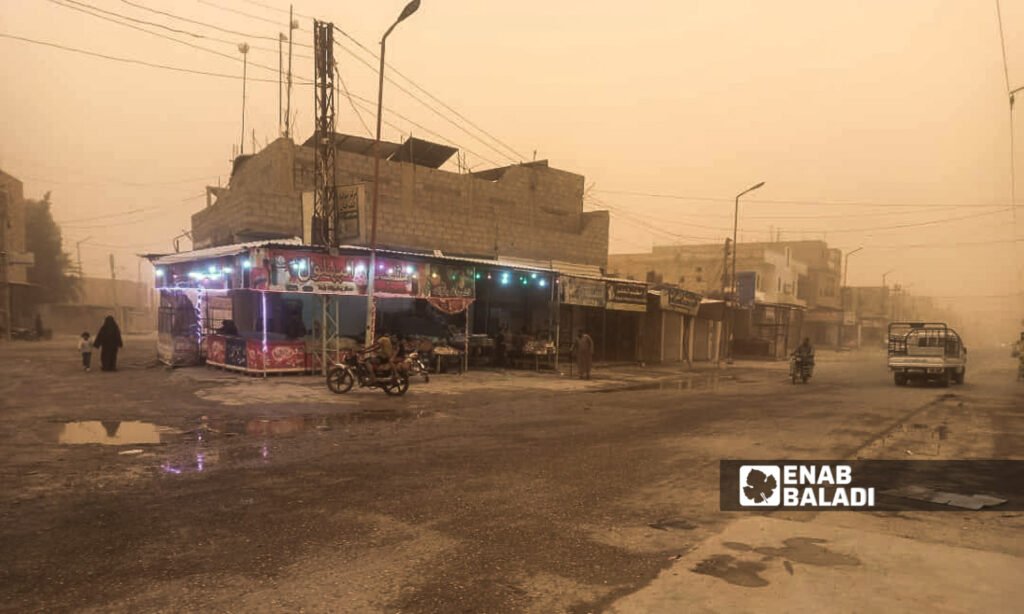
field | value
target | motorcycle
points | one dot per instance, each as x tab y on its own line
418	366
800	368
355	368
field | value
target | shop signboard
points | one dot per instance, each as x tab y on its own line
746	287
585	292
449	281
315	273
680	301
625	296
825	316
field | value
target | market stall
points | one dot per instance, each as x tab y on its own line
515	312
294	308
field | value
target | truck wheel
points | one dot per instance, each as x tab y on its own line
900	379
958	378
944	379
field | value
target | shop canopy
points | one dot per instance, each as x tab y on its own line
289	266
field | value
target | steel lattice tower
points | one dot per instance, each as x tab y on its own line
325	194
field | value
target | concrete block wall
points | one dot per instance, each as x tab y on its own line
260	201
528	211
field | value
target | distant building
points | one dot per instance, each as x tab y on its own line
704	269
14	260
131	303
527	210
770	279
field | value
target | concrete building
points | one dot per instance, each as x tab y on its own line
770	280
14	260
703	269
819	288
526	210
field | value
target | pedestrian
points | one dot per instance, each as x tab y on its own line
584	353
85	347
499	347
109	340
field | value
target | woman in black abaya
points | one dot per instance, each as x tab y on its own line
109	340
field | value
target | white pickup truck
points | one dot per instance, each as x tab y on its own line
926	351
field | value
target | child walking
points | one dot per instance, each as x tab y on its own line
86	349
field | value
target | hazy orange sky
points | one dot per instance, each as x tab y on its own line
838	106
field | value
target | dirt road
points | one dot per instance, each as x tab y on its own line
153	490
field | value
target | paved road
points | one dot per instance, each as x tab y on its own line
496	493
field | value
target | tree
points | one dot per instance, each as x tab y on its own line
52	272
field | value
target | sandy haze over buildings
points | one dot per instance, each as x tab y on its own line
856	115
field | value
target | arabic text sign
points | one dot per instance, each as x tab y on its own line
682	301
626	296
586	292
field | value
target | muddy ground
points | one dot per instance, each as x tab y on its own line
157	490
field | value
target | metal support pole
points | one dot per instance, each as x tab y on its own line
370	311
323	333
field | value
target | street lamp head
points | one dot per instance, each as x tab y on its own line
243	48
409	10
757	186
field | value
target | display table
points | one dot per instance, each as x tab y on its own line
446	355
247	354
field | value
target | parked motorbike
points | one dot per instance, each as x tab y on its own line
355	368
800	368
417	365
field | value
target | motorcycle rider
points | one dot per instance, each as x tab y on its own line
805	353
382	350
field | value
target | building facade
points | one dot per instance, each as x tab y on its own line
526	210
704	269
13	261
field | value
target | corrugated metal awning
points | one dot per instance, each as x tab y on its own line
217	252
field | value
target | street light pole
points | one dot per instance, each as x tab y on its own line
734	287
371	315
846	260
735	225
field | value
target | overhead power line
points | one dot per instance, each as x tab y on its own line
129	212
137	62
89	10
213	27
235	11
801	202
428	105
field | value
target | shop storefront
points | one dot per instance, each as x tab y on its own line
513	320
611	311
669	325
282	308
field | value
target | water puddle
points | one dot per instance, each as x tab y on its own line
262	427
710	382
115	433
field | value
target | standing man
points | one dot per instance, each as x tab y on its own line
584	353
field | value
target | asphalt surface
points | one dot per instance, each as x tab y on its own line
455	498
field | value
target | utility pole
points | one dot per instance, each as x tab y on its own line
280	81
725	267
288	110
78	248
113	286
244	49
